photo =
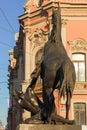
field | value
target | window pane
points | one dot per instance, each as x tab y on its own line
79	113
76	114
76	70
78	57
81	72
79	63
79	106
82	117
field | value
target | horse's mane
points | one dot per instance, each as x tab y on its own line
56	29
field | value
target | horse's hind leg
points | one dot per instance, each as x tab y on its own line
49	104
68	102
48	97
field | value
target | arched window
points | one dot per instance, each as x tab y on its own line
79	113
37	59
79	63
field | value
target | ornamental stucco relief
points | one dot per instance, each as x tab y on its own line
39	38
78	45
27	5
38	3
81	85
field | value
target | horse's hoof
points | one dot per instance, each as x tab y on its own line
34	120
73	122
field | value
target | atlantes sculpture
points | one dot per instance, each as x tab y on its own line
57	72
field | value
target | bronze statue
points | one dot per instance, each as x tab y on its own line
57	72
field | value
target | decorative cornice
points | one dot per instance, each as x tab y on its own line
68	9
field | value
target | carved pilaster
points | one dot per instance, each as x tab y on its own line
63	32
27	54
27	30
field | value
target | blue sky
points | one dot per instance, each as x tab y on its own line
9	12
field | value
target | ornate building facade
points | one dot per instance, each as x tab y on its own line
35	27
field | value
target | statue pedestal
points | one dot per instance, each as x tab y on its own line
50	127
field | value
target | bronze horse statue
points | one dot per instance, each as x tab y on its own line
57	69
57	72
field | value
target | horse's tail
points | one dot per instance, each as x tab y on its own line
68	83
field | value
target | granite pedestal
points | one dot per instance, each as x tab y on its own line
50	127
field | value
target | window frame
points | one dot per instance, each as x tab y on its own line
78	63
79	112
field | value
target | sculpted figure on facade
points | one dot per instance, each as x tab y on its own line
38	3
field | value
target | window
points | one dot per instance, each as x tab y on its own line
79	63
37	59
80	113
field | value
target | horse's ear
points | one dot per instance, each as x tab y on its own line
59	8
59	2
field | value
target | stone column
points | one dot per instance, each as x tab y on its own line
27	55
63	32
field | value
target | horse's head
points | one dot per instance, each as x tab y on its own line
56	16
56	21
